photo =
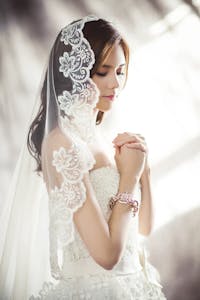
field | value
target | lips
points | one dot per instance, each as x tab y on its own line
110	97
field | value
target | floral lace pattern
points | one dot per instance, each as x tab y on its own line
76	104
72	65
78	118
66	199
71	34
75	114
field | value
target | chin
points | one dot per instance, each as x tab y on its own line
104	106
103	109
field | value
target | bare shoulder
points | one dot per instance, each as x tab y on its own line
54	140
51	143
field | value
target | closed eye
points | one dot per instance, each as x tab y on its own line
101	74
104	74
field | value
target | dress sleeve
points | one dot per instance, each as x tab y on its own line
63	168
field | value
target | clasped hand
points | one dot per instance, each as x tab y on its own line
131	154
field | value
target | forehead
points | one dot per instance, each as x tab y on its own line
116	57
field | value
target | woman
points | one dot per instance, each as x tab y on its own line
94	206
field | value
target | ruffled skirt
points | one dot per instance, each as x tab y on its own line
102	287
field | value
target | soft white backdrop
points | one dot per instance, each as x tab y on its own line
161	101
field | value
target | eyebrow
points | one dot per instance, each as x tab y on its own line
109	66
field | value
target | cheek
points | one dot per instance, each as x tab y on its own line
98	82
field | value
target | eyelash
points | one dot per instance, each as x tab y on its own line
104	74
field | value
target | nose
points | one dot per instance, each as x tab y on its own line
113	81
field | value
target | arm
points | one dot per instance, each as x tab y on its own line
105	241
146	208
136	141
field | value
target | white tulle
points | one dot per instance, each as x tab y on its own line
26	242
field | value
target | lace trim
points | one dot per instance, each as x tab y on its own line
77	103
80	120
65	200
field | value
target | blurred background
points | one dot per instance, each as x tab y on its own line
161	101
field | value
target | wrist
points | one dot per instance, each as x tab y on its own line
125	198
127	184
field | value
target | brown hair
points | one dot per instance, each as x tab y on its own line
102	37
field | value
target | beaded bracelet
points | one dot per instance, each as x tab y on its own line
125	198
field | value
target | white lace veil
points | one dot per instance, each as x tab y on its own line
36	221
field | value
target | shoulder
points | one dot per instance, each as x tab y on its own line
54	152
56	148
59	147
55	140
60	151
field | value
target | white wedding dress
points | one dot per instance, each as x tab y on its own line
82	278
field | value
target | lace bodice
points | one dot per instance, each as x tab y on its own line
132	278
105	182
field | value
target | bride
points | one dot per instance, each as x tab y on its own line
71	225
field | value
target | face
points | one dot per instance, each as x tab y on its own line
110	78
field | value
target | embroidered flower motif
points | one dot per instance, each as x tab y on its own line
74	195
67	64
89	94
66	162
66	102
72	66
71	34
84	53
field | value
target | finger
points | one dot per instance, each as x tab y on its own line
137	146
134	134
141	137
122	141
116	147
119	136
124	134
130	134
117	151
138	136
130	141
127	136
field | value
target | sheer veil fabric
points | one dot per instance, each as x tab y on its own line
36	220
